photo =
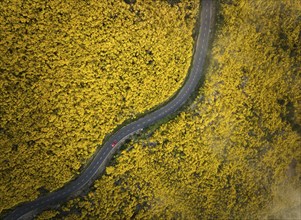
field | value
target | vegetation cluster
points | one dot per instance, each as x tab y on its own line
70	72
228	154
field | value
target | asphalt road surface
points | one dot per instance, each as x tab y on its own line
101	157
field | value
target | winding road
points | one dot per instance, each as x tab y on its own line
102	156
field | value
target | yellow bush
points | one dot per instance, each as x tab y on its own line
71	71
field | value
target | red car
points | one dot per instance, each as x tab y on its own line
114	143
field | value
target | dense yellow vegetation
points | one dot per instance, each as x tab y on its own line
71	71
227	154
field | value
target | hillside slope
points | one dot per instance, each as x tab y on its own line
229	154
